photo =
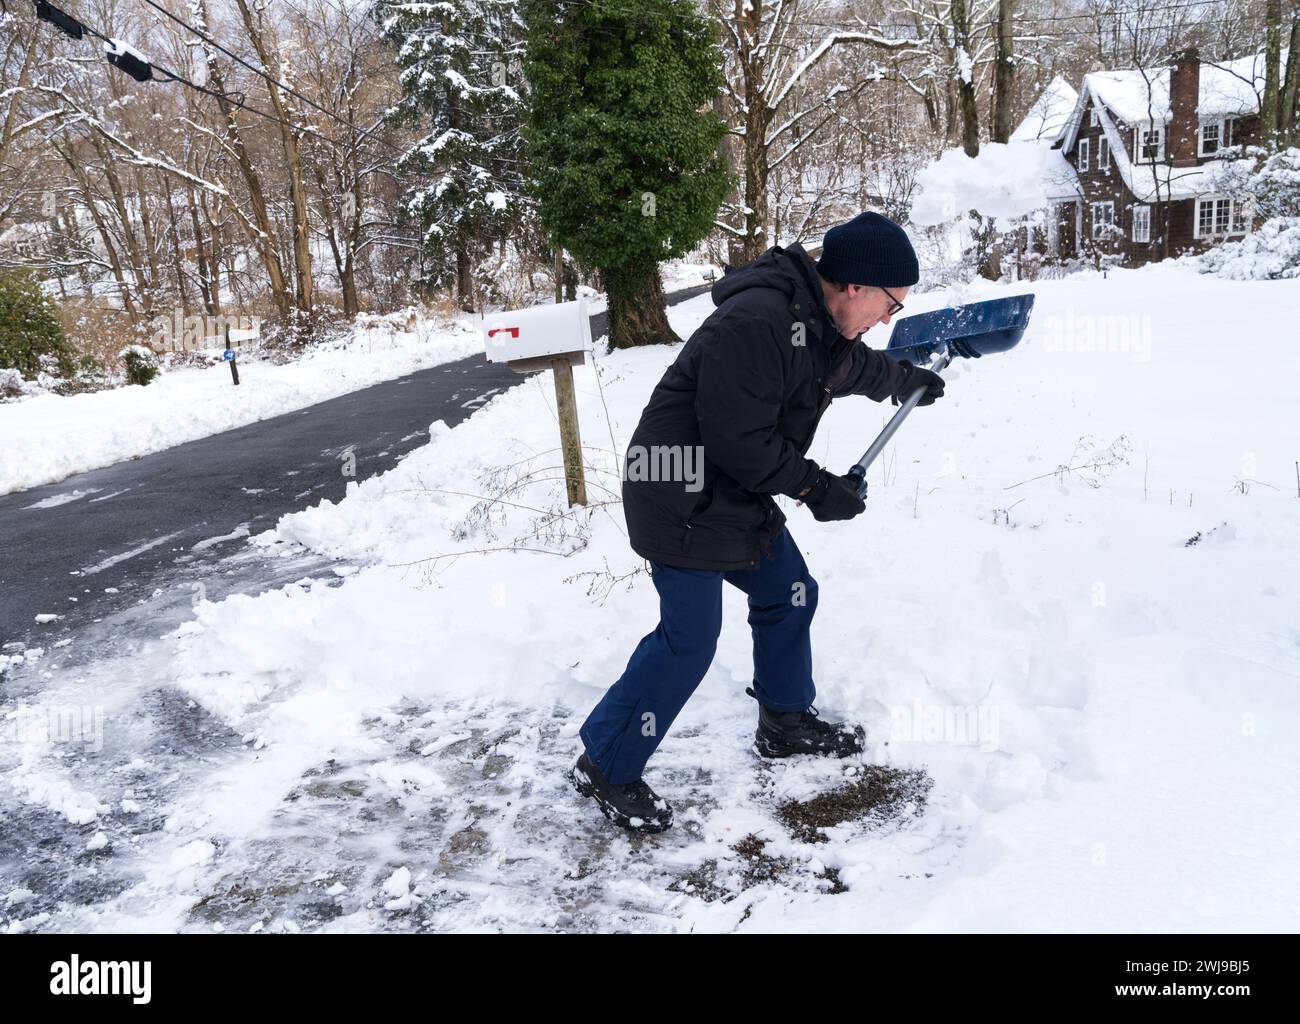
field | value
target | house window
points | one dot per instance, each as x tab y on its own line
1142	224
1103	154
1219	217
1209	139
1103	216
1151	144
1093	120
1083	154
1215	136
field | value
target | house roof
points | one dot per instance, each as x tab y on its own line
1157	182
1050	113
1139	96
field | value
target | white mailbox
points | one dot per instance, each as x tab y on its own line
564	327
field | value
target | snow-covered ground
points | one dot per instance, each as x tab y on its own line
1067	621
58	436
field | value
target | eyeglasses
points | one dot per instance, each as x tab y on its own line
896	307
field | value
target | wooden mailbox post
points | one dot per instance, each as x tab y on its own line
554	338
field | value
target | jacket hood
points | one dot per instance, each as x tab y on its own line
790	271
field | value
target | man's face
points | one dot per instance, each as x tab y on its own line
860	307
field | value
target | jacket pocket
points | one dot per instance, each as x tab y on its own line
702	503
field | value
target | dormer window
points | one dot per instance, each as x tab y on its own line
1214	136
1103	154
1093	120
1083	154
1151	144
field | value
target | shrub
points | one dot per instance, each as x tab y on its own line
1269	254
141	364
30	329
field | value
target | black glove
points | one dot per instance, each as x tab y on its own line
834	497
915	377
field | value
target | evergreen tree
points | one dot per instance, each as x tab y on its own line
623	143
30	332
460	62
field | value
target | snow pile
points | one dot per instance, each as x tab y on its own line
49	437
1004	181
1270	253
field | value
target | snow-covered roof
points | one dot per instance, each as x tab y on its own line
1050	113
1138	96
1157	182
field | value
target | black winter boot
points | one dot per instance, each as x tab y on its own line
783	733
632	805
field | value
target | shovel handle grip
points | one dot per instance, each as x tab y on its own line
858	474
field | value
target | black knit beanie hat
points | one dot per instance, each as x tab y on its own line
869	249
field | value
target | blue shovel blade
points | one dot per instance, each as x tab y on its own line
973	330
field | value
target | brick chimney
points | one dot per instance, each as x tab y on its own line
1184	96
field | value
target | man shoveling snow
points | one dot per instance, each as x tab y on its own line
747	390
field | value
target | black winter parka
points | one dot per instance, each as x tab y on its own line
748	388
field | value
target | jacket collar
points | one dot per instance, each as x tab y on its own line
808	303
820	322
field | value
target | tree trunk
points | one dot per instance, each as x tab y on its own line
92	204
151	246
965	79
260	230
636	307
206	289
755	204
303	291
1004	75
1288	108
174	240
1268	124
464	280
136	261
756	122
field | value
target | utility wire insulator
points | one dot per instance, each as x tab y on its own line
65	23
127	58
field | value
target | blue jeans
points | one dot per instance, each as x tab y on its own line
632	718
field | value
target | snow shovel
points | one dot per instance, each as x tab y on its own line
934	339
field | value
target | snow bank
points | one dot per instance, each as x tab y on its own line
50	437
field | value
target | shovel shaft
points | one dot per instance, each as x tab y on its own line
859	470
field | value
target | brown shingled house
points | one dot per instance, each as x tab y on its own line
1138	147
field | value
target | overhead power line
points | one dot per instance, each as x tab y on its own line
141	68
262	73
